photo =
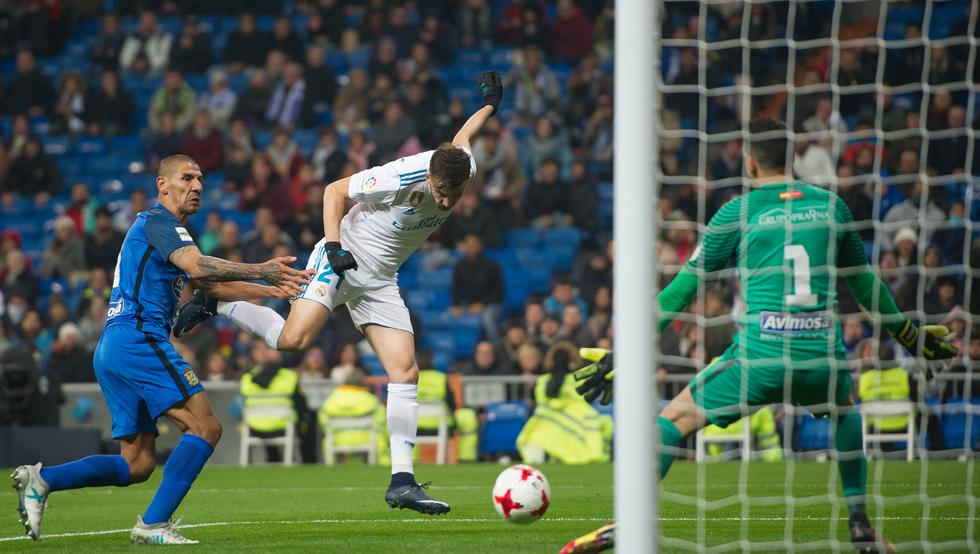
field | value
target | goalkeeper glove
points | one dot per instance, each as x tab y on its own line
933	346
340	260
597	376
491	89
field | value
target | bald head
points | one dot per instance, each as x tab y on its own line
170	164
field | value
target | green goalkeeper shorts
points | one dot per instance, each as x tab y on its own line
726	390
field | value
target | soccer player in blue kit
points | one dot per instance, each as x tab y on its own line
141	375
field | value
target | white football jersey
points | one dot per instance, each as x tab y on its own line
394	213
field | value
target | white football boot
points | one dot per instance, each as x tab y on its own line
32	497
162	533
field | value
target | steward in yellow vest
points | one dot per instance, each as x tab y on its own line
434	387
877	385
270	385
763	426
564	426
354	399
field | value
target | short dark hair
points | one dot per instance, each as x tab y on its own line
169	164
769	151
450	165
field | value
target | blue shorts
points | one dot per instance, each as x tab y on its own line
141	378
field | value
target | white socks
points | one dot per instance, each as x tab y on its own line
258	320
403	424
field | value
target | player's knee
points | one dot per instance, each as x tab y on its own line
141	467
294	340
404	373
207	428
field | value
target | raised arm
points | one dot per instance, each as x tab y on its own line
276	272
238	290
492	90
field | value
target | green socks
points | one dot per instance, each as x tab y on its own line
849	442
670	437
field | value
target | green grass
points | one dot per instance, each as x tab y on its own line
341	509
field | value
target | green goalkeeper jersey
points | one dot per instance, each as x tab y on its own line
789	242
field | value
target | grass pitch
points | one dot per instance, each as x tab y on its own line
341	509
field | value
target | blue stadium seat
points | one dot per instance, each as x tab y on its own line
17	206
523	238
465	340
540	277
961	424
561	257
503	424
812	433
440	342
407	278
442	361
433	299
244	220
47	287
436	278
562	236
92	146
504	256
432	319
307	140
57	146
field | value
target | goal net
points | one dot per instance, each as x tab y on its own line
880	101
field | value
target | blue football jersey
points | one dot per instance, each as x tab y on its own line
146	286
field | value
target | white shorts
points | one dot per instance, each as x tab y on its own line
370	299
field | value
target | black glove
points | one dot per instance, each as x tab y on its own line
491	89
597	376
933	346
340	260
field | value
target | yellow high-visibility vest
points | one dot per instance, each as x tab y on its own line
279	393
887	384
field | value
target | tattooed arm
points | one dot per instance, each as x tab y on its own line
275	272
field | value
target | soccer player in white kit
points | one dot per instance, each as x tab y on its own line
397	206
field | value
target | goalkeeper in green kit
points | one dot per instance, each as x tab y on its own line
790	241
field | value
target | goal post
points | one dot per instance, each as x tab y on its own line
635	280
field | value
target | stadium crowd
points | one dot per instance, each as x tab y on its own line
285	102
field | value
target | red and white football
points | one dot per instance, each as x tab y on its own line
521	494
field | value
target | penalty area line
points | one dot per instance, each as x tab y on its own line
337	521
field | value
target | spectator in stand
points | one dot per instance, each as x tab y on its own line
548	333
267	189
217	368
547	143
254	101
484	361
510	344
571	33
284	154
33	173
192	53
314	365
92	323
475	24
81	208
532	31
437	40
939	106
286	107
148	49
128	210
246	46
263	246
547	203
910	213
211	237
595	274
65	254
285	39
304	182
328	159
563	294
529	359
599	323
229	241
321	83
855	195
103	243
583	194
385	58
478	286
58	313
31	332
71	107
17	278
536	89
70	362
108	44
852	72
219	100
19	134
98	287
826	126
948	155
395	135
470	217
499	178
382	93
510	20
346	361
359	151
204	143
110	107
166	142
573	326
598	136
350	107
174	97
533	316
238	153
29	91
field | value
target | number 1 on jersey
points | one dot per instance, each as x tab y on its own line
800	261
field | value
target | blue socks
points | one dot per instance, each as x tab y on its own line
93	471
182	467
